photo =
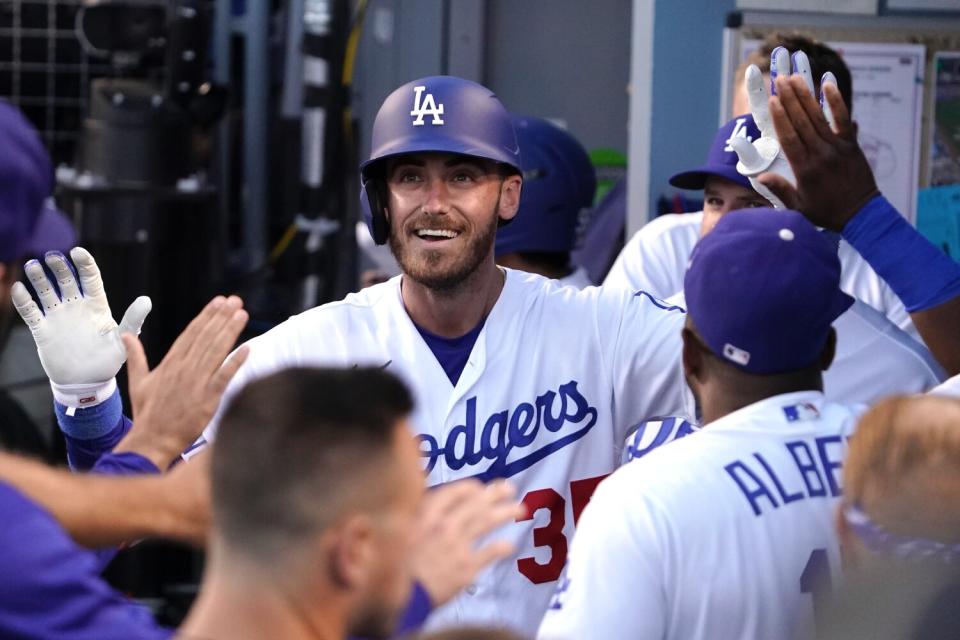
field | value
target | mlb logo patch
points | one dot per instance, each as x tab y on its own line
802	411
735	354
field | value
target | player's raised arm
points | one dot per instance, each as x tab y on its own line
102	511
835	188
79	345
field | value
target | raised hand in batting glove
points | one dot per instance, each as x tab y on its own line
77	338
833	178
765	155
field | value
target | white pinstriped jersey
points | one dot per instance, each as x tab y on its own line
724	534
555	380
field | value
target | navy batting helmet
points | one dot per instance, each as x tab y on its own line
438	113
559	181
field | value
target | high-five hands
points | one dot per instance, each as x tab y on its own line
766	155
834	181
175	401
76	336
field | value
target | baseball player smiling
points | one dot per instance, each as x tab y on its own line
515	376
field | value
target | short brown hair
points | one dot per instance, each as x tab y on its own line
297	447
822	59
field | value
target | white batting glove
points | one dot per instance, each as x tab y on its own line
765	154
77	338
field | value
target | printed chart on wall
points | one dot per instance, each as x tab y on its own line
887	105
945	129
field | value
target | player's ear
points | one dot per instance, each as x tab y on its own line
350	550
510	196
692	357
829	350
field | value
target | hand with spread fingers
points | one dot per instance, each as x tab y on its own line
454	517
174	402
76	336
833	178
766	155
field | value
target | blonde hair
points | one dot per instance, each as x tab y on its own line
903	466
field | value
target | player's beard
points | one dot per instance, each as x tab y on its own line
425	267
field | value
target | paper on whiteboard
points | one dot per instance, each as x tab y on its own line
944	165
887	105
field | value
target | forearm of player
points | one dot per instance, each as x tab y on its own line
925	279
100	511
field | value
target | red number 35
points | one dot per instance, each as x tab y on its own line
551	534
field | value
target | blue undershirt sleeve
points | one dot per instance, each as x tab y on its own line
921	275
92	432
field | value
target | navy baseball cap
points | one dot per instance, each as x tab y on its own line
762	290
722	159
30	224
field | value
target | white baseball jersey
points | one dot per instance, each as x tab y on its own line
950	387
655	260
726	533
555	380
578	279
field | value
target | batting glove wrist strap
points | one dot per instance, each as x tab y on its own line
83	396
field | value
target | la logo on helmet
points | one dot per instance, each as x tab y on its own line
425	106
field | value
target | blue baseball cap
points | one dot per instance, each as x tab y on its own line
762	290
722	159
30	224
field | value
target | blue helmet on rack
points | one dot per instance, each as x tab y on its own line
438	113
559	182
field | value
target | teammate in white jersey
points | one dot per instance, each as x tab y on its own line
874	357
655	258
725	547
726	533
559	183
514	375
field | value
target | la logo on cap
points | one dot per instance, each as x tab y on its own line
425	106
739	131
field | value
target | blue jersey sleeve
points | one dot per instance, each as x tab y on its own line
50	587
